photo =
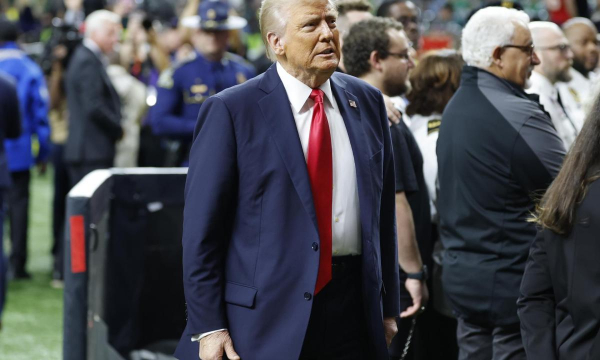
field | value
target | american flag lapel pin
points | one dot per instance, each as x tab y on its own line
352	103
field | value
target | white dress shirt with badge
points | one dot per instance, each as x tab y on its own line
575	93
346	228
426	129
566	127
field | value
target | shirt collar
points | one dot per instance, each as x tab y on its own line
298	92
93	47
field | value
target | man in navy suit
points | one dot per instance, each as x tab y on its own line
289	241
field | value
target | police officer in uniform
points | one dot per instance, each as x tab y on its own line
208	70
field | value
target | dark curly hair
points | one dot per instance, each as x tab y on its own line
433	82
363	38
384	9
345	6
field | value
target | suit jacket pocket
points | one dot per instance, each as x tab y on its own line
238	294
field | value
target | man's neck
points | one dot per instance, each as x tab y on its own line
581	69
311	80
212	57
374	80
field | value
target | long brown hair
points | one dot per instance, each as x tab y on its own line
581	167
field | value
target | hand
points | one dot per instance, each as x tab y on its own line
390	328
394	116
419	294
42	167
213	346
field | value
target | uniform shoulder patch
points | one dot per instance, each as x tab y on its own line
165	80
433	125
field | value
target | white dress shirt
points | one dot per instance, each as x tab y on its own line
566	127
345	227
425	129
575	94
345	231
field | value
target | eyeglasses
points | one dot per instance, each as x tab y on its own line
563	48
527	49
403	55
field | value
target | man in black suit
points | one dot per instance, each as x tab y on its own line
93	103
10	127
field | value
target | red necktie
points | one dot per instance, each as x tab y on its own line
320	171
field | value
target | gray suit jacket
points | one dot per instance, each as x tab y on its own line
94	111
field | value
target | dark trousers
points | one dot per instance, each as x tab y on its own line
18	207
337	328
477	342
61	189
79	171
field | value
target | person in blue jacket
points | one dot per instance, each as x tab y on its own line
33	101
183	88
10	127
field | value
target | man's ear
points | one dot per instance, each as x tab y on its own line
375	60
497	56
277	43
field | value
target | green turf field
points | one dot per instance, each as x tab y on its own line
32	320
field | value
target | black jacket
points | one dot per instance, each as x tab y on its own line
10	123
559	305
94	110
496	149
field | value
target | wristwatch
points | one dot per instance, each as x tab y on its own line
422	275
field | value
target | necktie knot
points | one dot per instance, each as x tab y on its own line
317	96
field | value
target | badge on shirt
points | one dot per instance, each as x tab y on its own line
433	126
240	78
575	95
352	103
198	89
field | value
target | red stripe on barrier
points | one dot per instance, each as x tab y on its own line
78	264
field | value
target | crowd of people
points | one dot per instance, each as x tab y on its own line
474	136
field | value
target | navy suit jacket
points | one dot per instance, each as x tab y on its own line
249	219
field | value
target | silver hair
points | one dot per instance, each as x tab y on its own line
487	29
98	19
271	18
537	28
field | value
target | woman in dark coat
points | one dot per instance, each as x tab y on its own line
559	305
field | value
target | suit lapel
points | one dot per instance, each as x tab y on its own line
356	133
277	112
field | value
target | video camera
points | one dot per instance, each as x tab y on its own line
63	34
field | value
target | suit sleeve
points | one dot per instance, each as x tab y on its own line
164	117
210	189
91	84
388	242
536	305
537	155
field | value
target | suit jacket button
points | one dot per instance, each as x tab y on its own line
307	296
315	246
